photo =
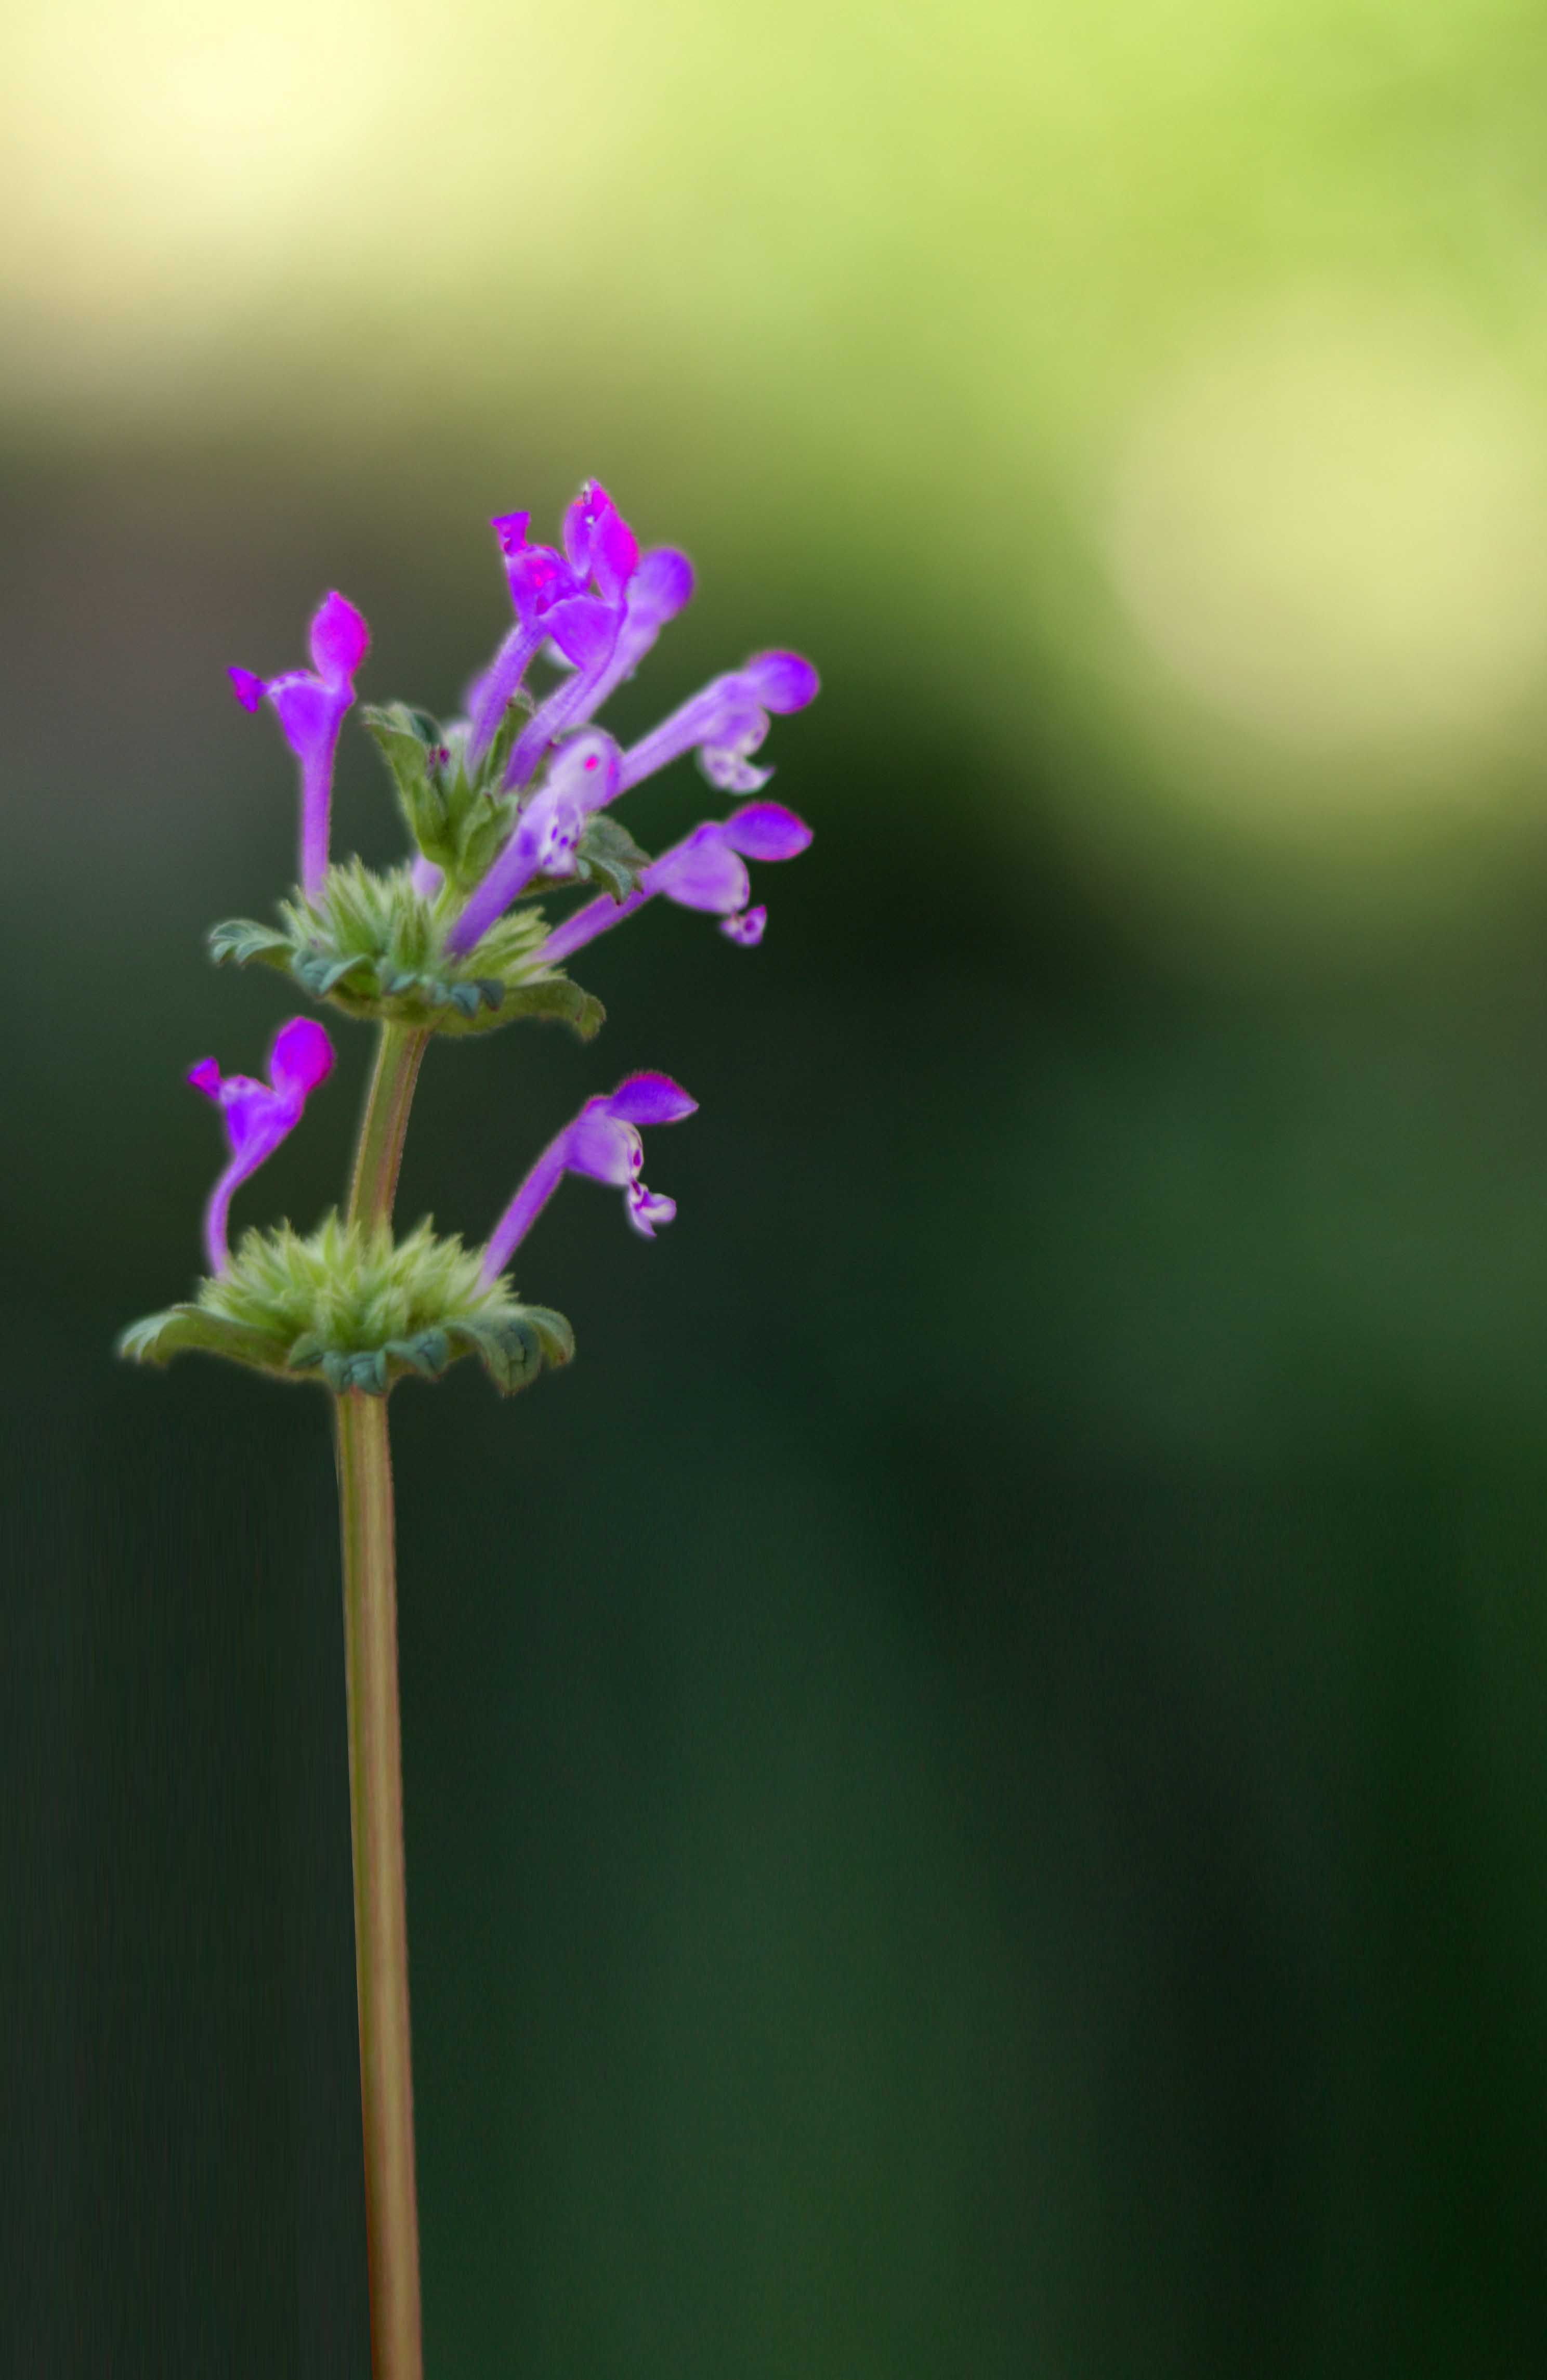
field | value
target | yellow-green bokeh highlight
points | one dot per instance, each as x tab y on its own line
1175	376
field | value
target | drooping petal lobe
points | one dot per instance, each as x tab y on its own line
647	1209
248	689
748	928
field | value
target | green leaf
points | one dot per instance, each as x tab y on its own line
558	997
184	1329
241	941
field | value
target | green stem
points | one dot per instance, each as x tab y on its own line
385	1121
365	1495
365	1489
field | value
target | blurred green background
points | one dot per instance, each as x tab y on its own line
977	1771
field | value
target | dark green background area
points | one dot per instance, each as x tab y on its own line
975	1769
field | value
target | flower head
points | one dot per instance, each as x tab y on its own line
603	1141
259	1115
311	705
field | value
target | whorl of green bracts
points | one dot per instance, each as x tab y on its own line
353	1308
372	945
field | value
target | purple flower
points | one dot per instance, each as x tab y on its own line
601	552
542	842
706	870
546	836
726	721
259	1115
542	586
311	705
603	1141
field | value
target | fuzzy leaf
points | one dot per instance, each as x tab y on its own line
609	857
241	941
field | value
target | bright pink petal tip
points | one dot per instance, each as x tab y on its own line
340	639
249	690
511	530
782	681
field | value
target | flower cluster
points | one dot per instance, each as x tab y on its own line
510	800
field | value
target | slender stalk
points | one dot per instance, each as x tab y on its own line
380	1152
365	1493
365	1486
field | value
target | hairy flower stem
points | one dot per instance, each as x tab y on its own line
379	1153
365	1491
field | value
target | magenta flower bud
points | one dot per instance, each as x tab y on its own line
257	1115
603	1141
310	707
598	542
635	595
706	870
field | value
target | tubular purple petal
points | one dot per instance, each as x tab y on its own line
310	707
525	1208
583	925
570	705
491	695
257	1116
542	842
726	717
602	1142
